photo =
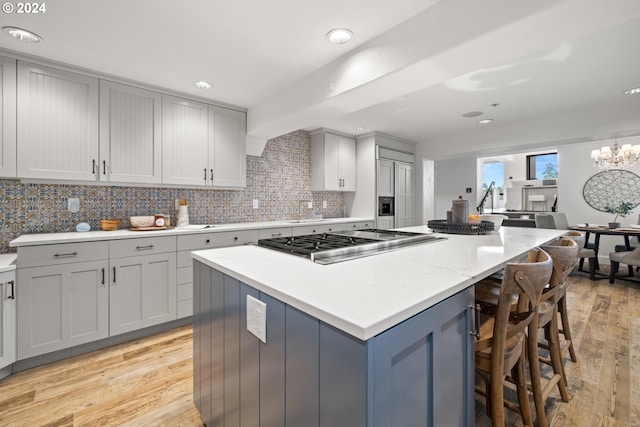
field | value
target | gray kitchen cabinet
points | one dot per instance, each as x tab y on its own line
57	124
202	145
7	318
142	288
386	178
60	306
130	134
184	141
268	233
333	162
7	117
405	197
310	373
227	147
195	242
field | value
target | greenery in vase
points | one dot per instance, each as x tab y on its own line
622	210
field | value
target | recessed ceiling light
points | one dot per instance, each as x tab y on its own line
339	36
633	91
22	35
202	84
358	128
485	121
473	114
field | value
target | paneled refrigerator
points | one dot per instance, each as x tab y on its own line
395	189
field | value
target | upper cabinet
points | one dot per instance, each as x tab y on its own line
7	117
76	127
57	124
333	162
203	145
227	147
130	130
184	141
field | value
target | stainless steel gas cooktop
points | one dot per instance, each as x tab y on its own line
329	248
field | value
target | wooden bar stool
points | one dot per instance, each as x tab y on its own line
564	253
503	338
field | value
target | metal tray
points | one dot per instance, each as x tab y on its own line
442	226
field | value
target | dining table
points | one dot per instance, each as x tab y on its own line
601	230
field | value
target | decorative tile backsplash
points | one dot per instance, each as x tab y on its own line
279	179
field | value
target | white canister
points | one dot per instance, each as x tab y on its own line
183	216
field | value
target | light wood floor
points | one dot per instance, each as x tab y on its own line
148	382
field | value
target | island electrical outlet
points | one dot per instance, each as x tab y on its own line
257	318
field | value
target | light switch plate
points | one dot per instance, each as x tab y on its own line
73	204
257	318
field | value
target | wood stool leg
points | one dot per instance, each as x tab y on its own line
556	357
534	371
566	329
520	378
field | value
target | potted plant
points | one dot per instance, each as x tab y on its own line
622	210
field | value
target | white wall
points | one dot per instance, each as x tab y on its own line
452	178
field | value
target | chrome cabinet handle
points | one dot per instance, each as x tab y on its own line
114	275
205	174
211	174
273	235
103	276
104	167
476	320
65	255
140	248
13	294
93	167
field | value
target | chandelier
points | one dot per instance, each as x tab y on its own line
616	157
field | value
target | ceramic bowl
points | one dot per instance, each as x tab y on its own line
495	218
141	221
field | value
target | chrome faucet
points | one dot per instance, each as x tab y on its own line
300	202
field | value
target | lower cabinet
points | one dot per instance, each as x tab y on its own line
142	292
7	318
60	306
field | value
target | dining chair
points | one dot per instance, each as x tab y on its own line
544	221
560	220
631	258
584	252
508	334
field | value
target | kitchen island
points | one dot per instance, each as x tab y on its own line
378	341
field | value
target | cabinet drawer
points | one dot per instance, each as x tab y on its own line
313	229
142	246
216	240
63	253
268	233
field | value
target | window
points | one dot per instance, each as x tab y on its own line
542	166
493	171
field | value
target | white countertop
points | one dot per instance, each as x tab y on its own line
7	262
364	297
70	237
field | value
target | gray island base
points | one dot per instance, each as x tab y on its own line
308	373
379	341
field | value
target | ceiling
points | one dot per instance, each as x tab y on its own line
547	72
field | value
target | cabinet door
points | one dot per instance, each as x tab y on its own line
227	147
184	142
429	361
7	319
405	195
129	134
142	292
7	117
61	306
386	178
347	163
57	124
332	178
